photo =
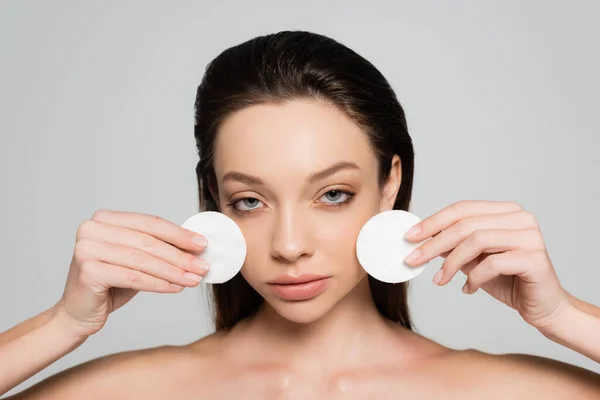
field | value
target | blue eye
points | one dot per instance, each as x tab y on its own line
335	195
333	198
249	202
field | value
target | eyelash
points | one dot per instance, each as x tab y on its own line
343	203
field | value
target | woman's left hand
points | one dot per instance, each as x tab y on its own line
500	248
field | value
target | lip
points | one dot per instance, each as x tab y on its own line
292	280
300	288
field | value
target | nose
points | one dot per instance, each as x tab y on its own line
291	238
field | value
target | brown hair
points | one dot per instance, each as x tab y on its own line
288	65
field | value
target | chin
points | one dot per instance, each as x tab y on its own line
302	312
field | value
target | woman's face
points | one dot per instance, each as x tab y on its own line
300	180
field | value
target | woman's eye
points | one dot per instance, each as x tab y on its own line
247	204
334	196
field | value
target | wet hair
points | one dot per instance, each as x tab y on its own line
284	66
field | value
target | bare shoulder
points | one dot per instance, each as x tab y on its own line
145	374
521	374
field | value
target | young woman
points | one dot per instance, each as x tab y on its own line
301	141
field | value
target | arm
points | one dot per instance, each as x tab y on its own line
116	255
584	306
33	345
148	374
577	328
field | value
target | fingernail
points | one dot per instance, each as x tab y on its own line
201	264
412	232
412	257
438	277
199	241
194	277
465	288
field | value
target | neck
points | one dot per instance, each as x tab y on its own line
347	334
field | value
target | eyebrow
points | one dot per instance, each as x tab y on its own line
314	177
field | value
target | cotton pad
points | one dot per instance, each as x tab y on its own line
226	248
381	246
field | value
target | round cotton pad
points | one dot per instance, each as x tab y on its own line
381	246
226	248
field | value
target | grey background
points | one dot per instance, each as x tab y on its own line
97	112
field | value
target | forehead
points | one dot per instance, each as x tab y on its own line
298	136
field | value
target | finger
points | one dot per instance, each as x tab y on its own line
102	276
153	225
129	238
136	260
488	242
451	237
448	216
465	268
508	263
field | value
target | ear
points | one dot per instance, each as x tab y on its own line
392	185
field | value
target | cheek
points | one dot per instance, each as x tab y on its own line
349	231
335	241
338	230
337	245
256	265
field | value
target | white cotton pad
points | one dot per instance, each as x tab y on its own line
226	248
381	246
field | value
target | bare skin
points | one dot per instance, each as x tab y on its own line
224	366
261	359
335	345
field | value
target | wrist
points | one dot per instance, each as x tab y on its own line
576	330
560	327
554	321
63	323
572	314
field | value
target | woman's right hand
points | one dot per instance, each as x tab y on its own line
116	255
